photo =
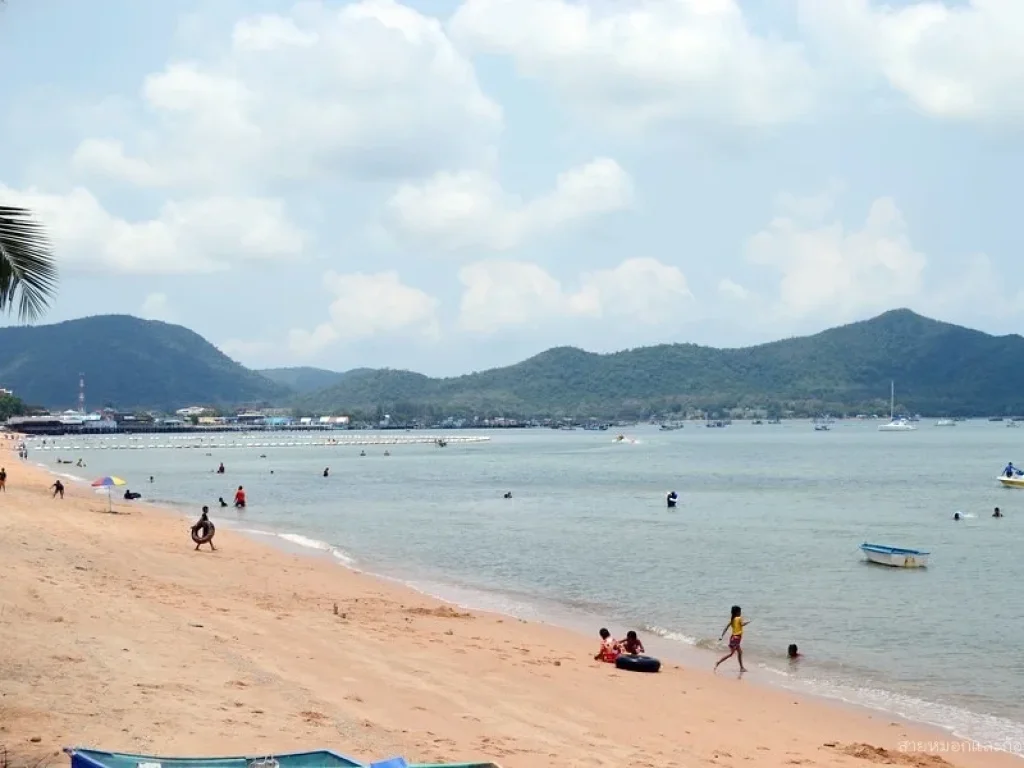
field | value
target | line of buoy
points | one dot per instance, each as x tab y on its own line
333	443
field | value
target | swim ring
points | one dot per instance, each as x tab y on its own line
207	528
637	663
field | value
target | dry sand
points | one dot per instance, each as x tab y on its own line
116	634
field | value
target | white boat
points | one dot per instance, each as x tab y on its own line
945	423
1015	481
895	557
895	425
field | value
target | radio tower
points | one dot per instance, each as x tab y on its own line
81	393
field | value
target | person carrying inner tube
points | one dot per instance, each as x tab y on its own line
240	498
671	499
203	530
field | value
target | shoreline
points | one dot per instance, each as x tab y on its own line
758	712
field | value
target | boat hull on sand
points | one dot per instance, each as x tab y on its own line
894	557
324	758
1017	481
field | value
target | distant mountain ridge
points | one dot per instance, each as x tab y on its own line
302	380
127	362
939	368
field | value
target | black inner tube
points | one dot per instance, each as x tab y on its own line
637	663
202	533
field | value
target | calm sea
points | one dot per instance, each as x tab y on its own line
770	517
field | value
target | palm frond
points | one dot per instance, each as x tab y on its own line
28	273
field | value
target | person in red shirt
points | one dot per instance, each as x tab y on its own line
240	498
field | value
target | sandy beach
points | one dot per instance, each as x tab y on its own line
118	635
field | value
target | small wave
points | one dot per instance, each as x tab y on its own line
989	730
678	637
307	543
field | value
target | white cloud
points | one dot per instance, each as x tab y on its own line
733	290
186	237
507	294
470	209
367	305
634	64
368	88
838	275
156	307
956	62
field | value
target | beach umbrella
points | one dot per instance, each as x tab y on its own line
108	482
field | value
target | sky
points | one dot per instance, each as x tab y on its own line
449	186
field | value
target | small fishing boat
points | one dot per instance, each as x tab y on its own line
324	758
895	557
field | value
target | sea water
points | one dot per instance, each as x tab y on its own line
770	518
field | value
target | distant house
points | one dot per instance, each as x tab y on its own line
6	392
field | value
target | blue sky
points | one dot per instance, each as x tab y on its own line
449	186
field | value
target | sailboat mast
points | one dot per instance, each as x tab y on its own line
892	400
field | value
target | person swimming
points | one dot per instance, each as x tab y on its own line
131	496
327	471
222	502
997	513
632	645
793	652
508	495
956	515
671	499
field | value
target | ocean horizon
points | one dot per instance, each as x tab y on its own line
770	517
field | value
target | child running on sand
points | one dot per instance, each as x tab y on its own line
735	626
58	488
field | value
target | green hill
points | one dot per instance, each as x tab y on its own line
302	380
127	362
938	368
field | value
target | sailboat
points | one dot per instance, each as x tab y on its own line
895	425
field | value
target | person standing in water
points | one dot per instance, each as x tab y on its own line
997	513
220	469
327	471
240	498
735	627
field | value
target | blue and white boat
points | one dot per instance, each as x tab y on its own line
895	557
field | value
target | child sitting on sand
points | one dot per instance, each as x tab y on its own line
632	644
609	648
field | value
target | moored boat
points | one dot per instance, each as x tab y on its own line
895	425
945	423
896	557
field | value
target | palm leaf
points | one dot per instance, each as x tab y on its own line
28	274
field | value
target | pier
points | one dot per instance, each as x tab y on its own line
236	441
